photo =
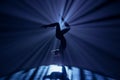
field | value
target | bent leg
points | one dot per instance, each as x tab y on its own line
65	30
58	32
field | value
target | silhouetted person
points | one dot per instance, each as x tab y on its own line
57	75
60	33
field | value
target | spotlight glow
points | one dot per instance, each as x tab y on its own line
54	68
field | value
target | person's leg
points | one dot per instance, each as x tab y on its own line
58	31
50	25
59	35
66	29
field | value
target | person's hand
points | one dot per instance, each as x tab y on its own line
55	52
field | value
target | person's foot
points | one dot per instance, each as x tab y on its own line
44	26
65	30
66	24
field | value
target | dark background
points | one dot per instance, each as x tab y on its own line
93	41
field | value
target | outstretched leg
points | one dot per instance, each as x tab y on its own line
50	25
